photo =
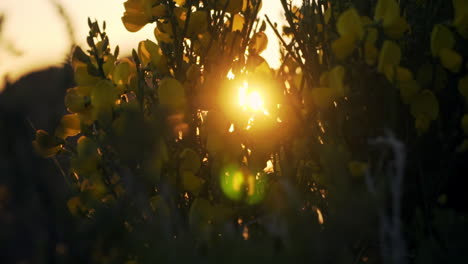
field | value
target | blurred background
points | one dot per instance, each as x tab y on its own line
36	38
39	33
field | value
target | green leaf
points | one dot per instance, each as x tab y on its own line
191	183
336	77
103	98
451	60
108	66
370	51
123	72
323	97
461	16
408	90
349	23
425	104
190	161
86	147
149	52
390	55
82	76
397	73
397	28
171	93
387	11
441	38
344	46
69	126
75	101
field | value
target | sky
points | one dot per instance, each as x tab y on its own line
36	29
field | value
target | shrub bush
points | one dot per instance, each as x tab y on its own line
195	149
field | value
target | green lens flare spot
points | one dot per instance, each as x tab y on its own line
232	182
255	189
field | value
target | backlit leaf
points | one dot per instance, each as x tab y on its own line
451	60
82	76
133	22
336	77
349	23
190	161
408	90
258	43
390	55
461	16
69	126
86	147
343	46
75	206
171	93
191	183
441	38
397	28
103	97
323	97
387	11
425	104
238	22
149	52
370	51
397	73
75	101
123	72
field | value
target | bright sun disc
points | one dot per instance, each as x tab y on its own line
250	100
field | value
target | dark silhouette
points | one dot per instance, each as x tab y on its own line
32	189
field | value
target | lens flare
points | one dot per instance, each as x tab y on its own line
232	182
237	185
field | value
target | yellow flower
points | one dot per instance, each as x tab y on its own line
138	13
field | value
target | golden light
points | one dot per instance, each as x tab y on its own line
251	100
269	167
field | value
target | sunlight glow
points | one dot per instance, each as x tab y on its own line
269	167
251	100
230	75
319	215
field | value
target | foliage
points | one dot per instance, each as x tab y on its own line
196	144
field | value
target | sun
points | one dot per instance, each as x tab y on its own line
251	100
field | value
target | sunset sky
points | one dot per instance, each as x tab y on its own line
36	29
